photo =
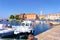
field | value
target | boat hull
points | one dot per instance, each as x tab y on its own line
3	35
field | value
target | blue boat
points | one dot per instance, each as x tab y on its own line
5	31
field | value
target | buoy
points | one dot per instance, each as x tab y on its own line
51	24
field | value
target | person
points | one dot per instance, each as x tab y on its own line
31	37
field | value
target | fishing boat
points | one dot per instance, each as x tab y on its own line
5	31
25	27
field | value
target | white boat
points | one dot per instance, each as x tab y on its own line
25	27
42	22
5	31
37	21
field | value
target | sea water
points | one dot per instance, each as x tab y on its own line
39	28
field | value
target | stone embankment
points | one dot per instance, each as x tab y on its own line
52	34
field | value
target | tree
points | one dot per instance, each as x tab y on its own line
11	16
17	17
43	19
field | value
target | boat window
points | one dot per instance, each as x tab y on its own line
22	24
30	24
27	24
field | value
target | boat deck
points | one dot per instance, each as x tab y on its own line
52	34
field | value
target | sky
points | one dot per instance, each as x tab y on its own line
9	7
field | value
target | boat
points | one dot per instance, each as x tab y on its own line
4	32
37	21
25	27
42	22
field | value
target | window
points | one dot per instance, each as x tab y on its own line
22	24
27	24
30	24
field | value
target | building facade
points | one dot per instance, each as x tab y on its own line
31	16
22	16
42	17
52	17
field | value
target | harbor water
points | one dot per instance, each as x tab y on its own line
39	28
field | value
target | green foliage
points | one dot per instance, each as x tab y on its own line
17	17
43	19
49	19
11	16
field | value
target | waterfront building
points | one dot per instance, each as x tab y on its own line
21	15
42	17
58	15
51	16
31	16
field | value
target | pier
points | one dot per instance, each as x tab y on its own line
52	34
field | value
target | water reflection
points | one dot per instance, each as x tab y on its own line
41	28
13	39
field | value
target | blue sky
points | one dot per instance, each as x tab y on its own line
8	7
